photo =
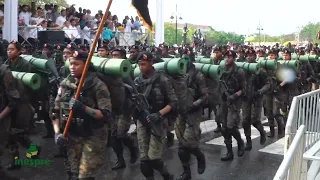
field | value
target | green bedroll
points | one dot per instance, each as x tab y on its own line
42	64
209	70
261	59
307	58
203	60
174	67
31	80
248	67
294	64
113	67
294	56
270	64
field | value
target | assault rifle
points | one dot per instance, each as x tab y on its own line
143	108
225	90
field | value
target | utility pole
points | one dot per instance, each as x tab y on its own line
180	18
259	28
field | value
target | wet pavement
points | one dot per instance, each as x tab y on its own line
254	165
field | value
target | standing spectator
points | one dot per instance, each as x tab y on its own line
136	35
107	33
83	20
86	33
89	16
25	15
62	18
75	36
128	25
137	23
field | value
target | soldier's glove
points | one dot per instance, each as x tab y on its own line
76	105
154	117
233	97
59	139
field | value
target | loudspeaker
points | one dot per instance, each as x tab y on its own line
51	37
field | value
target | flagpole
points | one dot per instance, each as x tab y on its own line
88	62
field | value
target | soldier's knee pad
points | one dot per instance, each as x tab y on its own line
146	168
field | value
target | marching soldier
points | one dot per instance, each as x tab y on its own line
134	51
86	135
103	51
160	95
122	113
233	85
10	98
187	127
257	85
270	106
21	117
213	92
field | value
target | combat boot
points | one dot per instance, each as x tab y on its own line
280	127
170	139
120	164
15	155
271	134
260	128
158	164
248	144
184	156
200	158
229	155
236	134
133	150
218	129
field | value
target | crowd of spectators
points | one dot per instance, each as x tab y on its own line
79	26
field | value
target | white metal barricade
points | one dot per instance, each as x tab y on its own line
291	165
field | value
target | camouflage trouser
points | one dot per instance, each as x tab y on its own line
150	147
269	104
121	126
251	113
86	155
230	116
281	101
188	134
4	133
214	104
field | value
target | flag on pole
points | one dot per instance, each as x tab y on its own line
143	12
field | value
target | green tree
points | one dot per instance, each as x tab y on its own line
170	35
309	32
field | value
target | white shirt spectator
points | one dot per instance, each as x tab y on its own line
74	33
86	33
67	32
128	26
60	20
25	16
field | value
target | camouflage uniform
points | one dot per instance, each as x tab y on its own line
257	85
235	81
306	76
271	104
121	112
187	127
214	98
86	136
151	147
9	98
22	117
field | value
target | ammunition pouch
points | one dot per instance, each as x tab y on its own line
82	127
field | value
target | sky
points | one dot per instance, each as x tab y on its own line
276	17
